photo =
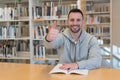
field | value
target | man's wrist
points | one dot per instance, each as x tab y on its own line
77	65
46	39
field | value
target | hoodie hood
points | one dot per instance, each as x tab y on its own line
67	34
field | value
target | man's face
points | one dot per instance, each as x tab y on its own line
75	22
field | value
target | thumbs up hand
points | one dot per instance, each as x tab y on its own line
53	32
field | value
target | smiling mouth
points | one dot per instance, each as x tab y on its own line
75	29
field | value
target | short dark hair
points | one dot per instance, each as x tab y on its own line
76	10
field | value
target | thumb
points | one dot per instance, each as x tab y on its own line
49	28
54	24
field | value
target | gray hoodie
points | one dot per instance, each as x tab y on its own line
86	52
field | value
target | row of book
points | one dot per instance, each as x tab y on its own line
7	13
12	12
97	7
11	48
7	50
23	10
40	31
99	30
104	41
41	51
96	19
52	9
14	31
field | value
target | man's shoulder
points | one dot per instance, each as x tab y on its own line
91	37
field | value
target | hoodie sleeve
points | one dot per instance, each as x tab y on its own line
94	56
56	43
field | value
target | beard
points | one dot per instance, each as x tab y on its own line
75	28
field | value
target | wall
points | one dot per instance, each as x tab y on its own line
116	22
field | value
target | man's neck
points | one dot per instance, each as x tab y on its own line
76	36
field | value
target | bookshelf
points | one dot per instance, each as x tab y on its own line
43	15
14	31
25	24
21	27
98	23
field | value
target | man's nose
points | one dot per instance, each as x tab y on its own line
75	22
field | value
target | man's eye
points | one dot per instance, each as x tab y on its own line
78	19
72	20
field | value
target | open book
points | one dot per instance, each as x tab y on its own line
56	69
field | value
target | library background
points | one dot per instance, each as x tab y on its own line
24	24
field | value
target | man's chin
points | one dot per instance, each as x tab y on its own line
75	31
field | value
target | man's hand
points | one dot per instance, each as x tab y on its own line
69	67
53	32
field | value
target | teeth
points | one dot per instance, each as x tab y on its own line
74	26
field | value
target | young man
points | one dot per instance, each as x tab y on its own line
81	50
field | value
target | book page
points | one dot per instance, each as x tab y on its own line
78	71
56	69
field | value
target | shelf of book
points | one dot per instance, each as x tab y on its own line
14	30
98	23
43	15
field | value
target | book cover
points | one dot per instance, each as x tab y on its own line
56	69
